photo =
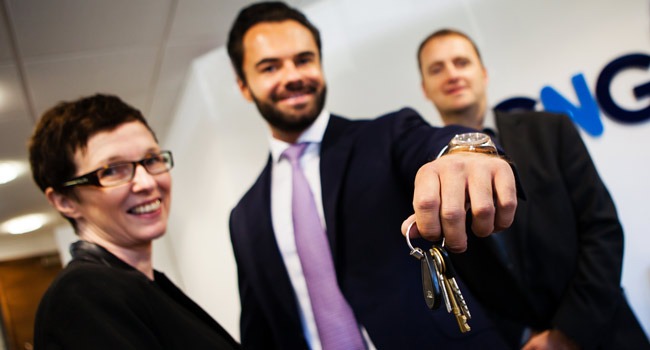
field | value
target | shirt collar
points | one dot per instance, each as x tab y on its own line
313	134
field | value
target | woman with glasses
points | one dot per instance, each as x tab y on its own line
100	165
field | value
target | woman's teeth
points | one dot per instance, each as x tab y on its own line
146	208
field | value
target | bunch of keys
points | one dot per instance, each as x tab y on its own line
439	282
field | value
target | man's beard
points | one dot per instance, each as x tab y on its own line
294	123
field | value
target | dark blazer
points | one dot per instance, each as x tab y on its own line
565	246
367	173
100	302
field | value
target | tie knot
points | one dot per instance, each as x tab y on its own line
294	151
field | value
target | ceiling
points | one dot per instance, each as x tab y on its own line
52	51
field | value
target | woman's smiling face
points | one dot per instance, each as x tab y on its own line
127	215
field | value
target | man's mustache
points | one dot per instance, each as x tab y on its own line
294	89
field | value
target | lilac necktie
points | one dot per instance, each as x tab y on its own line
337	327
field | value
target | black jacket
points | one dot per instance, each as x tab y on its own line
100	302
565	247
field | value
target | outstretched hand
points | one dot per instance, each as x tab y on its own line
452	184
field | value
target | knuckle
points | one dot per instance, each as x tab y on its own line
451	215
483	211
509	205
424	203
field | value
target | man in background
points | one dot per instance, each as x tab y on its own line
551	280
363	177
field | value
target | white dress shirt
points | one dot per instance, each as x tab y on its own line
282	218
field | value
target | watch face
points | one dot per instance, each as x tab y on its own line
470	139
471	142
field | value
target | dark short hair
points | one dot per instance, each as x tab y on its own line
259	13
66	128
442	33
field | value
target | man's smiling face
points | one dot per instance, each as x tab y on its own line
283	76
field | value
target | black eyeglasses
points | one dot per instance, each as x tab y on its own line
121	173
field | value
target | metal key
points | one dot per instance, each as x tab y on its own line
461	318
450	274
438	281
431	285
456	297
439	264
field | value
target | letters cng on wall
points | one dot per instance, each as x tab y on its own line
587	114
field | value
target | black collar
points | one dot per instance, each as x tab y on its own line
86	251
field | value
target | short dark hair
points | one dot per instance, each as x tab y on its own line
442	33
259	13
66	128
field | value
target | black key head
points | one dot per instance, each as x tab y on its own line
430	283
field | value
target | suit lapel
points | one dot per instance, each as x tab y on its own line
261	229
511	130
261	234
335	153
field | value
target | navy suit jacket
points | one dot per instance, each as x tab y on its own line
565	246
367	174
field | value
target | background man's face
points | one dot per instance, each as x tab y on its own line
453	77
283	75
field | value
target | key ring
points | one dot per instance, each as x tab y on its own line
417	252
431	287
439	282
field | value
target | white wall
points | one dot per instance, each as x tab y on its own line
18	247
220	141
